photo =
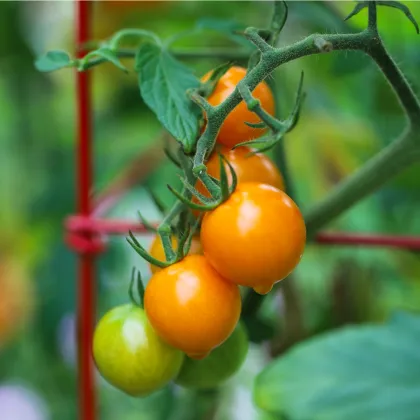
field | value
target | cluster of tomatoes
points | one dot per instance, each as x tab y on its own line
255	238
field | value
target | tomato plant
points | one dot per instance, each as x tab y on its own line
252	233
191	306
241	237
130	355
223	362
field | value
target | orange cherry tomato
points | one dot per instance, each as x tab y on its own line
191	306
255	238
156	250
234	130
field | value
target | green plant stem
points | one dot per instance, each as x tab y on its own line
187	54
383	166
397	80
165	231
400	154
389	162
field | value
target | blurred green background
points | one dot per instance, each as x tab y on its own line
350	113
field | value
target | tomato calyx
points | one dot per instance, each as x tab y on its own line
278	128
136	282
220	190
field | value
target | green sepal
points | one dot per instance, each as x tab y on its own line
193	191
182	239
136	281
224	182
206	88
156	200
403	8
146	223
261	124
143	253
358	8
293	118
189	203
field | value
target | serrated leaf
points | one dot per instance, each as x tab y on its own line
225	27
109	55
366	373
53	60
163	83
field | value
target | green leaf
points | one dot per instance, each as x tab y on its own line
225	27
53	60
364	373
109	55
163	83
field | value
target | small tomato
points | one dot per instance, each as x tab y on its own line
255	238
191	306
130	355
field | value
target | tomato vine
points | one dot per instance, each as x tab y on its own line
183	118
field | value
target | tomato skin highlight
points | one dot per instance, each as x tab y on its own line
255	238
156	250
234	130
191	306
223	362
130	355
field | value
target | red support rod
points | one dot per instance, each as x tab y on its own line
86	279
89	225
406	242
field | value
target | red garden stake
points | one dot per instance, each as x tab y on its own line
86	281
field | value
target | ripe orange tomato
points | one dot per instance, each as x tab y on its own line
234	130
130	355
156	250
255	238
191	306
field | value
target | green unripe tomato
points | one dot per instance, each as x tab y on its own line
129	354
218	366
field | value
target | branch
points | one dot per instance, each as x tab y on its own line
388	163
221	54
382	167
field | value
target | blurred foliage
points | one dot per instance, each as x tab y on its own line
350	113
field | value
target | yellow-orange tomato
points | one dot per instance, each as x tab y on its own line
156	250
255	238
191	306
234	130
